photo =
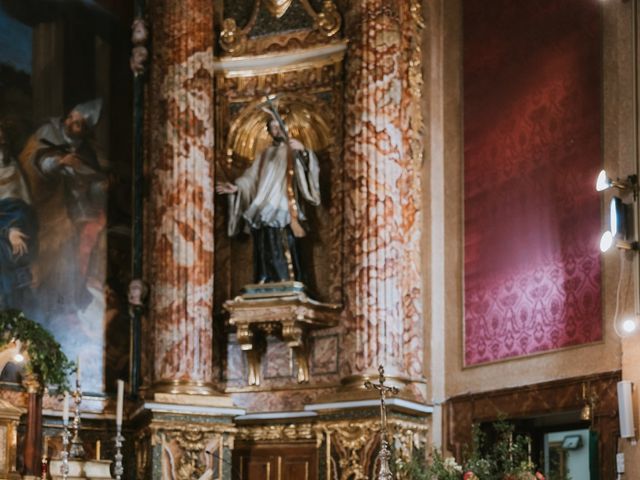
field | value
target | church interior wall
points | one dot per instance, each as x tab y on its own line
458	394
570	362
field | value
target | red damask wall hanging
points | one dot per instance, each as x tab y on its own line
532	151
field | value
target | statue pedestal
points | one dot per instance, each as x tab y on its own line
283	309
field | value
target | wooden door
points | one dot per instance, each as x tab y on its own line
275	462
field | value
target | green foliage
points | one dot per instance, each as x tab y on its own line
46	359
439	468
504	458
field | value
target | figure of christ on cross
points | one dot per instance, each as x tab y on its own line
384	454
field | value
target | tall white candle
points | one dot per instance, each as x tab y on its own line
65	409
120	402
78	370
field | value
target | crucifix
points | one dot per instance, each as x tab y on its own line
384	454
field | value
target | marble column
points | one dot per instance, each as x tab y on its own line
383	156
180	199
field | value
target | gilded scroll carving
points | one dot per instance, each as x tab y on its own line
328	21
189	450
350	445
142	444
232	39
237	40
279	433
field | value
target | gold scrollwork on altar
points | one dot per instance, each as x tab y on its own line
328	21
237	40
277	433
142	444
232	39
190	450
350	445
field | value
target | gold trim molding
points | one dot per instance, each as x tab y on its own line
277	433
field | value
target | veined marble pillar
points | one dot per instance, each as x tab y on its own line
180	228
383	156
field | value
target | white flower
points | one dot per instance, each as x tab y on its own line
451	465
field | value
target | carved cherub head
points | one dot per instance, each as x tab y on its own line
139	32
138	59
138	291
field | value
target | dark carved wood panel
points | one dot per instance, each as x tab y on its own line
539	400
273	461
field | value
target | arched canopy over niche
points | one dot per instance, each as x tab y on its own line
305	122
317	130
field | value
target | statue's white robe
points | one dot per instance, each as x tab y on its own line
261	199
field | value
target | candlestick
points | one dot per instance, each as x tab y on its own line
44	468
120	403
77	449
44	464
65	409
97	449
118	469
64	468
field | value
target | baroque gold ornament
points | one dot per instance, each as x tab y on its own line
277	8
328	21
232	39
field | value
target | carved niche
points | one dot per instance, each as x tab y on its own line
291	49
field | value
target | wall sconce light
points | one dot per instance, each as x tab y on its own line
603	182
620	218
629	325
625	409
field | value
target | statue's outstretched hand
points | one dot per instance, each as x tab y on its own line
226	187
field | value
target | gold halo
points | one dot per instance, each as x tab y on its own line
304	118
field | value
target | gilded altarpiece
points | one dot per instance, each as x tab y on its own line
300	62
305	66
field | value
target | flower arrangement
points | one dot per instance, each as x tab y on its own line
46	359
506	458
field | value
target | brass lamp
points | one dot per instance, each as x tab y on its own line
590	400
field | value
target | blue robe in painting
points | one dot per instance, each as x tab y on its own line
15	271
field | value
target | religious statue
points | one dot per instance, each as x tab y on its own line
267	200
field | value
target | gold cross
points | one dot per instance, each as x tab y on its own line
384	391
